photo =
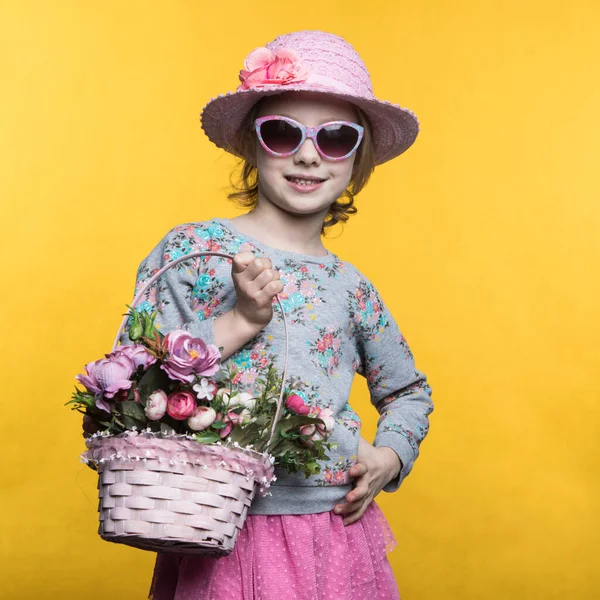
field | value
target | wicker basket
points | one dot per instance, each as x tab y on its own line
172	494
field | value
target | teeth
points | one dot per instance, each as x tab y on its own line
304	181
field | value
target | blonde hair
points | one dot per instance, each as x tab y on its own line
246	187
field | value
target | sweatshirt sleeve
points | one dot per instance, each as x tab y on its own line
173	293
399	391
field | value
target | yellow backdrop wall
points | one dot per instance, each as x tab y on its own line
483	239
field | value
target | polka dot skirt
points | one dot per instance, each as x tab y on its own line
290	557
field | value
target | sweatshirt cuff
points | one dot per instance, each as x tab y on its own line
401	446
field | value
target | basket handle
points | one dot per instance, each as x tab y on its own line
139	295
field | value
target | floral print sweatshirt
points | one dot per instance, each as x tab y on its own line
338	326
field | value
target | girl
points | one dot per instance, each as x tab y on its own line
309	131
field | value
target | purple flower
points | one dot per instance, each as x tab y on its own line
188	356
106	377
137	353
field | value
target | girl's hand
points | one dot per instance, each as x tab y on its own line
375	468
256	284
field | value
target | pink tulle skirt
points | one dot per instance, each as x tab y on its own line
295	557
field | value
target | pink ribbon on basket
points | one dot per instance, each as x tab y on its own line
180	450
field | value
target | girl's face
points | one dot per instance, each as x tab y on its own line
278	176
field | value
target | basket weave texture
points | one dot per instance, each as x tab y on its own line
173	494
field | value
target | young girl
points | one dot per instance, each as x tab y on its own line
309	130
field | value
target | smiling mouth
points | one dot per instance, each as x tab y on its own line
307	181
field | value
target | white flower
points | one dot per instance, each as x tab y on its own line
242	399
203	417
206	389
156	405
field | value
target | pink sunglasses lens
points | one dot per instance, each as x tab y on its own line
280	136
337	140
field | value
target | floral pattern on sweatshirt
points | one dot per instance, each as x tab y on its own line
366	310
349	419
326	348
308	391
337	473
339	326
422	386
301	294
334	269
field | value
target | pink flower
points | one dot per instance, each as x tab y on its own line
137	353
339	477
326	415
181	405
156	405
311	431
297	405
188	356
263	67
231	419
226	430
106	377
203	417
249	376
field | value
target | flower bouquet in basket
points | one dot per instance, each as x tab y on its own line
179	455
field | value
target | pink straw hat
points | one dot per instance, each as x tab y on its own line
311	61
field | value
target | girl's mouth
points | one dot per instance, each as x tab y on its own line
304	184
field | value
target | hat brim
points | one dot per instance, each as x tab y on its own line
394	129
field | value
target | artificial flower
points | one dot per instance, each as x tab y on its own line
203	417
137	353
297	405
188	356
181	405
156	405
206	389
263	67
106	377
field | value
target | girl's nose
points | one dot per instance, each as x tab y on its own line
307	154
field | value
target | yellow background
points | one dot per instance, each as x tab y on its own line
483	239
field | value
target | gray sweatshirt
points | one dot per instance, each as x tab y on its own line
338	326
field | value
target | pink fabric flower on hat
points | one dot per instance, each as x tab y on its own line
263	67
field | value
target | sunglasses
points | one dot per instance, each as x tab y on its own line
282	136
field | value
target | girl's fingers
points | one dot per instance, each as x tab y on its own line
265	296
355	516
358	493
241	261
261	281
358	469
257	266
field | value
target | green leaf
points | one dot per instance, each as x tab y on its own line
130	422
206	437
295	422
244	435
219	425
132	409
154	379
